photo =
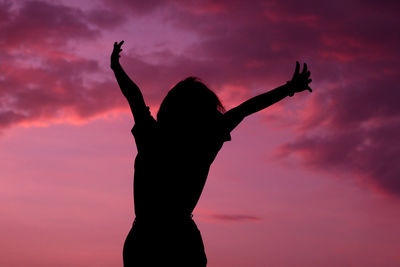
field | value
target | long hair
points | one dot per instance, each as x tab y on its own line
189	104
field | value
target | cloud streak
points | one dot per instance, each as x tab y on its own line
235	218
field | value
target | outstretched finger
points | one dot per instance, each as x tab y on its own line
309	88
296	71
121	43
304	68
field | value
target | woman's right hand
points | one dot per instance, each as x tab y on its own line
115	54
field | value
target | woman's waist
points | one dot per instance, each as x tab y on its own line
154	216
172	205
165	221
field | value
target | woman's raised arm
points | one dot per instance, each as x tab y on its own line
298	83
129	89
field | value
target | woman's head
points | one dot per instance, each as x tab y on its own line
190	102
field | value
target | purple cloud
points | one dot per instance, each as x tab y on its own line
349	124
40	78
353	130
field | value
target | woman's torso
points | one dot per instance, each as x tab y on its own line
171	170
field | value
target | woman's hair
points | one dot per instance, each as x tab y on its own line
189	102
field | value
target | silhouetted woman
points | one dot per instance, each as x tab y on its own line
174	156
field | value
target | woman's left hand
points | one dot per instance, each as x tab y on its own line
300	81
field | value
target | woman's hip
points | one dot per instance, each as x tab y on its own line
176	241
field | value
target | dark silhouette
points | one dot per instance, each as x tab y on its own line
174	156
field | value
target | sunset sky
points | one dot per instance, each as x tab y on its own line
311	181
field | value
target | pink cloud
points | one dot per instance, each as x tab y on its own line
352	53
40	81
138	7
37	23
353	129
